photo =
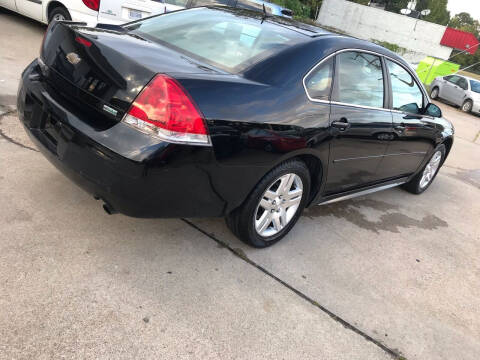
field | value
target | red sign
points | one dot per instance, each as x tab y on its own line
460	40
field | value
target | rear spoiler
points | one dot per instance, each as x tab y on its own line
112	27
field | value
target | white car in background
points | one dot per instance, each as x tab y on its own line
121	11
91	11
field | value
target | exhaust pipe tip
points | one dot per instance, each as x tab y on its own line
109	209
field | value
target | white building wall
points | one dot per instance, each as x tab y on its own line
420	38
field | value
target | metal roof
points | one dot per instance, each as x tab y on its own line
460	40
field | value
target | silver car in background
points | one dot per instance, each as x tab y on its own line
458	90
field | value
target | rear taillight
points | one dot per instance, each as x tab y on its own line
165	110
83	41
92	4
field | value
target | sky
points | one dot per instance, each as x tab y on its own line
470	6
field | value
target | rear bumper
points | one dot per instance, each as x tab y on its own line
133	173
476	107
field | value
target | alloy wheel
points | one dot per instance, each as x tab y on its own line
58	17
431	169
467	106
278	205
434	93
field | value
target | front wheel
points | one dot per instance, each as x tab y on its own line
467	106
273	207
424	178
434	93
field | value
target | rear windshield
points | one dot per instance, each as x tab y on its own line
475	85
221	38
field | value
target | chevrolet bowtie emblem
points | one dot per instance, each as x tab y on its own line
73	58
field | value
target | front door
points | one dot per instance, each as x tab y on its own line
413	132
360	123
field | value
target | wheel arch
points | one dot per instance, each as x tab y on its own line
448	143
315	165
52	5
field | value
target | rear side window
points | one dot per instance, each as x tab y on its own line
359	79
218	37
319	81
453	79
406	93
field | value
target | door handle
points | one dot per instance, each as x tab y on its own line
400	127
341	124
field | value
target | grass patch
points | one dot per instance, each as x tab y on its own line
469	74
392	47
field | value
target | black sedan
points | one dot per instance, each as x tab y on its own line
218	112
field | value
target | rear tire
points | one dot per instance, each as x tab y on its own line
424	178
273	207
59	13
434	93
467	106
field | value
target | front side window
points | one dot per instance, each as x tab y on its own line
475	85
359	79
406	93
319	82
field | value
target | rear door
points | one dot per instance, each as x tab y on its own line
451	88
30	8
9	4
413	133
360	121
122	11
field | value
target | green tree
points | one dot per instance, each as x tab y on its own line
422	5
439	13
396	5
465	22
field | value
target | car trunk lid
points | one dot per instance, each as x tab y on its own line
105	68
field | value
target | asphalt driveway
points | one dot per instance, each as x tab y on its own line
388	275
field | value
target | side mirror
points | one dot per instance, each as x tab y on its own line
433	110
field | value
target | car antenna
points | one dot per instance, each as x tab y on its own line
265	15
